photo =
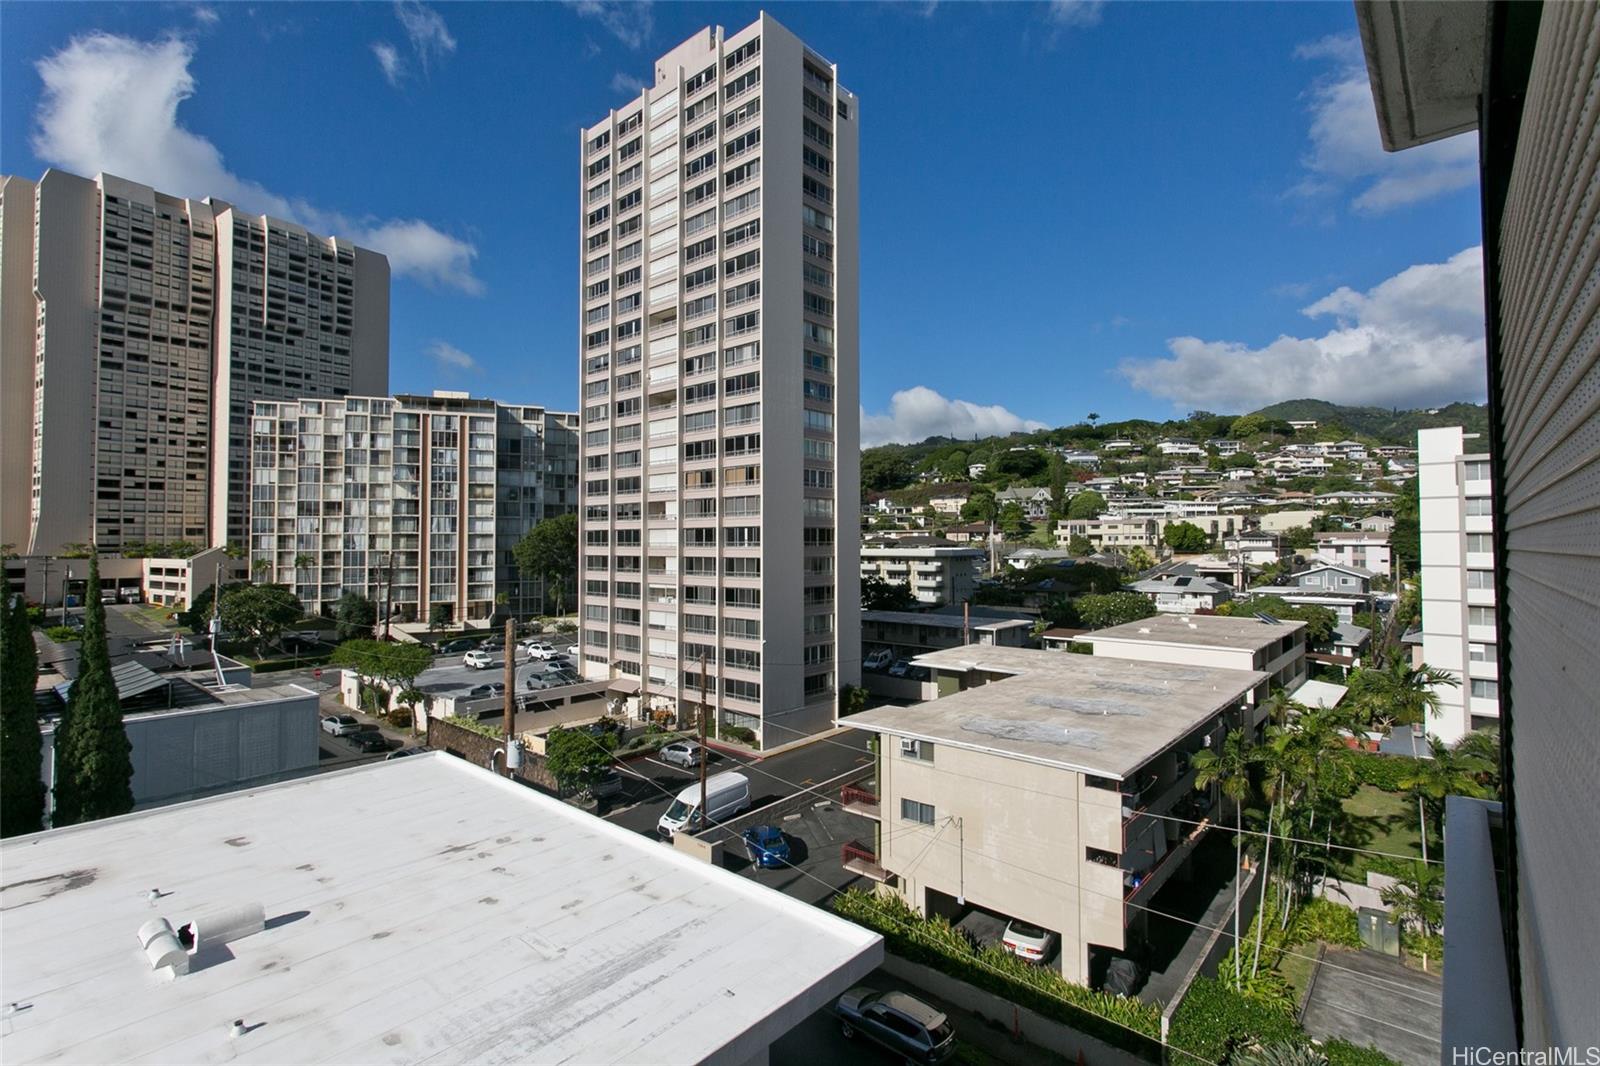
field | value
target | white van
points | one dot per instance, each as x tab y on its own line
726	795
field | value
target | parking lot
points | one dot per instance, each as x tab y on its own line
450	676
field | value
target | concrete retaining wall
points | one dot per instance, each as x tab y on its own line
1035	1028
479	749
1355	896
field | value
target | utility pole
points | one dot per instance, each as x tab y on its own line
511	686
704	820
966	621
388	591
44	586
66	582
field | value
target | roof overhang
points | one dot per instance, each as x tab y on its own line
1425	62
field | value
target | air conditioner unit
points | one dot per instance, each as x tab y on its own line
908	747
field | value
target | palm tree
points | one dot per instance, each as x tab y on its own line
1417	896
303	561
1402	694
1229	769
1094	416
1448	773
1483	744
260	568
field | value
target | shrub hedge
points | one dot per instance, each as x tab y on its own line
1344	1053
1116	1020
1213	1022
1380	771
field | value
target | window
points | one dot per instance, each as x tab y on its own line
699	192
700	80
921	750
741	263
1480	616
912	811
748	50
742	658
1483	653
700	249
740	384
742	173
816	160
739	597
812	187
1480	543
742	143
816	219
1480	506
744	444
820	421
817	276
739	114
741	83
1480	579
742	233
741	567
700	393
696	223
742	628
819	362
816	104
698	278
817	479
819	248
698	450
699	107
818	305
818	132
1484	689
742	537
700	165
1475	470
740	689
818	390
744	323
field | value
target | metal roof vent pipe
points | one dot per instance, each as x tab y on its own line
223	926
163	948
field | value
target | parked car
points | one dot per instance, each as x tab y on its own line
493	645
899	1022
340	724
900	668
493	688
1027	942
607	786
539	649
681	753
877	660
478	660
726	795
767	847
460	644
400	753
367	740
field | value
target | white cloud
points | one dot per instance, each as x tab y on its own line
1076	12
1413	340
110	103
389	62
626	84
206	15
449	357
430	37
1346	155
918	413
629	22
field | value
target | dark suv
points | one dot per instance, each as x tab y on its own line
903	1024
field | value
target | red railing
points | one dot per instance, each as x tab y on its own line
855	794
854	850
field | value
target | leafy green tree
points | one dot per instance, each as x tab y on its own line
354	615
1023	464
980	507
953	466
1246	426
577	758
1417	896
395	665
1228	767
1448	773
1239	461
1013	519
1113	609
21	789
852	699
94	764
1086	505
1320	621
1186	538
438	617
881	594
1300	538
197	616
1140	560
1484	745
1079	545
260	613
550	552
883	470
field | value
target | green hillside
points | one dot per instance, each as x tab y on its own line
1385	425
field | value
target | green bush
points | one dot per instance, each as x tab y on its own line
1419	944
495	730
1344	1053
61	634
738	733
1213	1022
1327	921
1380	771
1117	1020
305	662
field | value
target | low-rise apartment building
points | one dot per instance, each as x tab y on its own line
937	570
1366	549
1183	594
1277	649
1056	789
1110	532
415	502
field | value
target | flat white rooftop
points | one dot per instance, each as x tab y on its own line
417	910
1200	631
1088	714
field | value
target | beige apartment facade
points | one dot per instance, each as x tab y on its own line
935	574
414	502
138	328
718	361
1277	648
1055	789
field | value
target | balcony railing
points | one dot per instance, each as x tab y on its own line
860	801
862	860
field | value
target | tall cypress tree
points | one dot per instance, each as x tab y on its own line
21	788
94	764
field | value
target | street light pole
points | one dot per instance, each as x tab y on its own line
703	818
65	582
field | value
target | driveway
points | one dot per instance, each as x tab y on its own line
1368	998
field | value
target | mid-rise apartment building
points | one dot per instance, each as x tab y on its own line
1366	549
138	329
718	362
937	573
1458	581
415	502
1276	648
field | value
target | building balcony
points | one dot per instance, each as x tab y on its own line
1141	885
863	861
860	801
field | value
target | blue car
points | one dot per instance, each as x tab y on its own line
766	846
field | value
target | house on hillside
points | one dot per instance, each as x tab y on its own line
1177	446
1359	548
1182	594
948	502
1035	502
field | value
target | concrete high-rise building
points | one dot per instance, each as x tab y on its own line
138	329
439	488
1458	581
719	370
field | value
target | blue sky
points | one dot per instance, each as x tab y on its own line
1135	209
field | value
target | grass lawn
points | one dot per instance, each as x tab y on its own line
1296	969
157	613
1390	820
